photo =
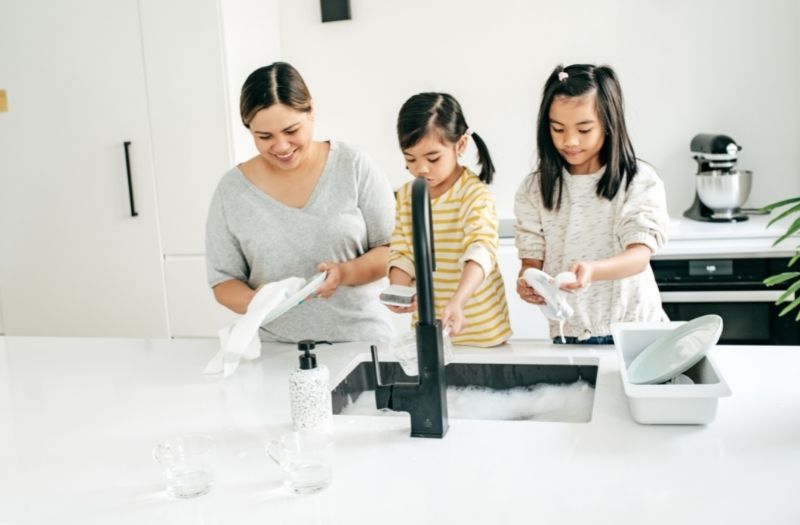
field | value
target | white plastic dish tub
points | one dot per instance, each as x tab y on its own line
667	404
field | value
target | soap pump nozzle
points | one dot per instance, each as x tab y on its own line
309	360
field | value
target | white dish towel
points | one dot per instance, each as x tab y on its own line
240	339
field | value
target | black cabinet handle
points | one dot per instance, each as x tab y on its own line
127	143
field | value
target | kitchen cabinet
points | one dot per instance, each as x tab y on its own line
75	261
527	320
84	78
192	311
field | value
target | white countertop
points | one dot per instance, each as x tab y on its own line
688	238
79	418
750	238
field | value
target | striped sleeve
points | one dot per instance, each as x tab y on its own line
401	253
479	217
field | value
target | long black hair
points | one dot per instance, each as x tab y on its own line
617	151
440	112
277	83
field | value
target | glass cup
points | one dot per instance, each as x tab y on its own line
306	459
188	465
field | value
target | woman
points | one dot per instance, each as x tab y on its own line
297	208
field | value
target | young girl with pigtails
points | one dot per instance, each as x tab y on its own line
469	296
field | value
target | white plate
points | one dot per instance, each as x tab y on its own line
311	286
675	352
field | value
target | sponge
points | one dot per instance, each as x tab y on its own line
398	295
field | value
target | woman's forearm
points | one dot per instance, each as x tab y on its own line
234	294
365	269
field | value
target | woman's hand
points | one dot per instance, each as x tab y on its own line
332	280
527	293
584	276
453	316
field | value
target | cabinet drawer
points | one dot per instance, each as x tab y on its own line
527	320
191	307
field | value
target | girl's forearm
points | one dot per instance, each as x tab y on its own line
633	260
530	263
471	278
398	276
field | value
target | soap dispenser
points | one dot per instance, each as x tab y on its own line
309	391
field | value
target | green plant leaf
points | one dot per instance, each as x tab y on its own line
778	204
790	211
781	277
789	232
789	308
788	293
794	259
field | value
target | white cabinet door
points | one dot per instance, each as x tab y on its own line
73	259
527	320
189	114
193	311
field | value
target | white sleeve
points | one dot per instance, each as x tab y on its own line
528	235
643	218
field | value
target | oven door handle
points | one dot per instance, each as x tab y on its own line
731	296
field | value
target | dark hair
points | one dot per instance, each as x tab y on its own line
277	83
440	112
617	151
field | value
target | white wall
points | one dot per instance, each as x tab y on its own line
251	39
686	67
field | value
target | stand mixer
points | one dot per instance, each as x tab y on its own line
721	188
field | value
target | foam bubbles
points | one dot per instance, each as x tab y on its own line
545	402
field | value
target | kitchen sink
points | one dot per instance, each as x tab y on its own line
484	390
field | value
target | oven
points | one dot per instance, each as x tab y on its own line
732	289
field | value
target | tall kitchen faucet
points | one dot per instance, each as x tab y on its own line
426	398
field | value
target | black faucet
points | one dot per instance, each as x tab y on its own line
425	399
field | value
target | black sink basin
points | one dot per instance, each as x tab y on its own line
498	377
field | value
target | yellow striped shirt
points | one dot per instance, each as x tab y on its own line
464	229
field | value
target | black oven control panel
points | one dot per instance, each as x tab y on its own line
715	274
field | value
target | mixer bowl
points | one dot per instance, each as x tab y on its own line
724	191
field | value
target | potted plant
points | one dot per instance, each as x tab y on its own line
792	208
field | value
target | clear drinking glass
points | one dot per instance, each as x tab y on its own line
306	459
188	463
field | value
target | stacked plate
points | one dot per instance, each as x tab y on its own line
651	354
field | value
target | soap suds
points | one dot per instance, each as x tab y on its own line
545	402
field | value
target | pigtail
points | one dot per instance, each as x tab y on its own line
442	112
484	159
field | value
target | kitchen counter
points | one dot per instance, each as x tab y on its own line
750	238
79	418
695	239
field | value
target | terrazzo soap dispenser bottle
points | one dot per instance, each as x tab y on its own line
309	392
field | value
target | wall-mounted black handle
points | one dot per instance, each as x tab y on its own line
127	144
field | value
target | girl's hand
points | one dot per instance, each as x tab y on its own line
584	274
332	280
410	309
527	293
453	315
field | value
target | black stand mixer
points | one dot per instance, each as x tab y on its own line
721	189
